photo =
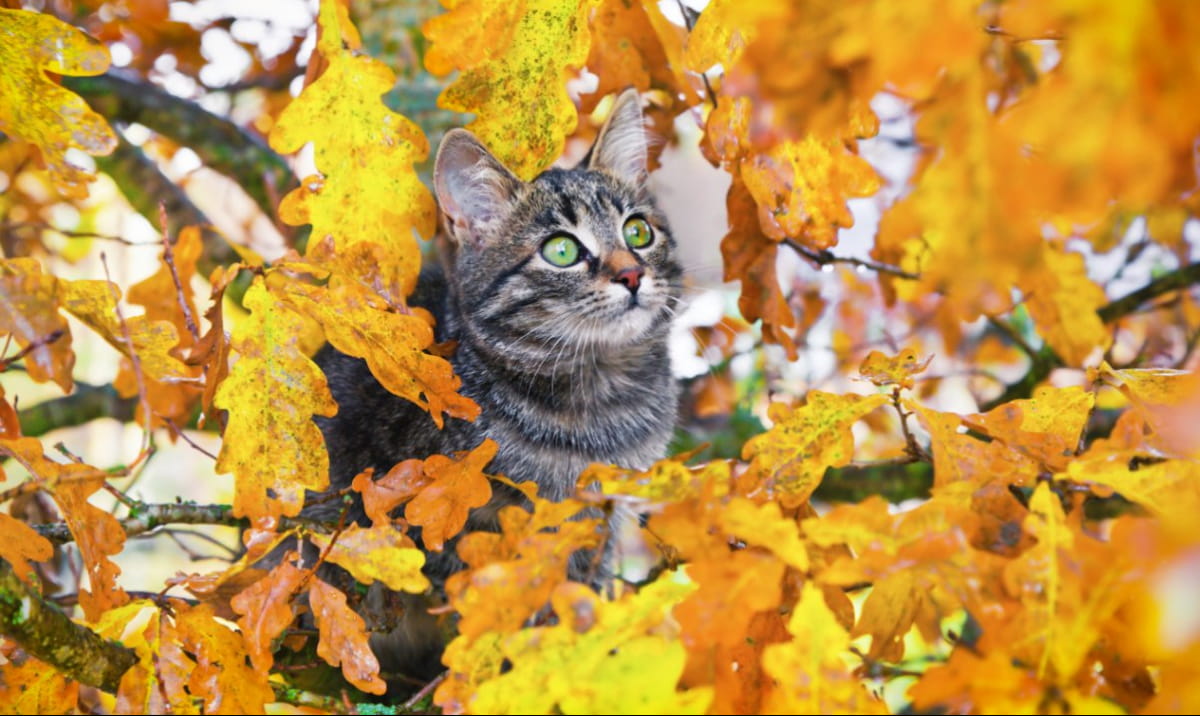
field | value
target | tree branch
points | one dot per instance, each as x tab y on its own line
145	517
824	258
86	404
1045	360
49	635
895	481
221	144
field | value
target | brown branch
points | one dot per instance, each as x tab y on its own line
49	635
33	346
169	259
824	257
144	518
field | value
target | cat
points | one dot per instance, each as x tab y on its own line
558	294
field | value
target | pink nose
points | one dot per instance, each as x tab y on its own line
631	277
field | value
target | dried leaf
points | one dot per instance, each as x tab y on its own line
265	609
222	678
20	543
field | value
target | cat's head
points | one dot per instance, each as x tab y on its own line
576	256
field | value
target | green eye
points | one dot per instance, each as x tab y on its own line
561	250
637	233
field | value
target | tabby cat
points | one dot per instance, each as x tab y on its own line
558	294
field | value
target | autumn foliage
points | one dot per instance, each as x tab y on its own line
953	469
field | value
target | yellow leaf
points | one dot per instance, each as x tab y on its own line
1046	427
377	553
1170	489
882	370
765	526
620	658
1062	301
801	188
271	394
41	112
359	323
1168	401
34	687
514	60
29	301
790	459
812	670
95	303
367	189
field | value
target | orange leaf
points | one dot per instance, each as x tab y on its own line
750	257
35	109
29	302
266	610
456	486
222	679
790	459
405	480
344	638
97	534
1046	427
19	543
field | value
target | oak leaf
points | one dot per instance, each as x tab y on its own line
37	110
380	553
367	189
222	679
811	670
29	303
456	486
790	459
343	638
1062	300
899	369
513	61
265	610
19	543
271	394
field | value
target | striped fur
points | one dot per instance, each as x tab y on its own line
568	365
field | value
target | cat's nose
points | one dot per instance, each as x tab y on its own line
630	277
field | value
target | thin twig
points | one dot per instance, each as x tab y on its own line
426	690
1013	335
687	22
42	226
825	257
179	433
136	361
169	258
33	346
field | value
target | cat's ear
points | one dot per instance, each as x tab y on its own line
621	146
473	188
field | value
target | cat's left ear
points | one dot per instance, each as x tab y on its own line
621	147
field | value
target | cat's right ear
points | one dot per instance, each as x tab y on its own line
474	190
